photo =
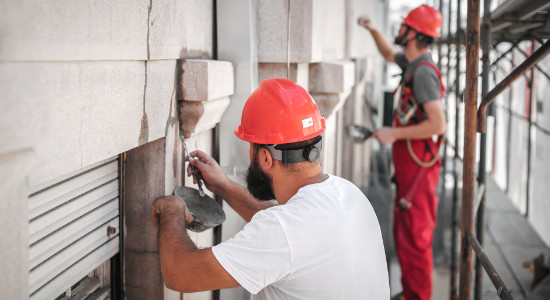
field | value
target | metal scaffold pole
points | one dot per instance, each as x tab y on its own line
453	288
480	219
470	130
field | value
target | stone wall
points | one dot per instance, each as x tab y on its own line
84	81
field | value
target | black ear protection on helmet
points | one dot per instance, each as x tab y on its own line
310	153
424	38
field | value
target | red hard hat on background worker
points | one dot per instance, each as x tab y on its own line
426	20
280	112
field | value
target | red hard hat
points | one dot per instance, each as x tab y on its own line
280	112
426	20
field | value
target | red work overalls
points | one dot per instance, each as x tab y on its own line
416	200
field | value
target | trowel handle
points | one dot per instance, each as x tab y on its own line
194	171
197	175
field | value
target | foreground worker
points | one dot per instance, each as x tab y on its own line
319	240
418	117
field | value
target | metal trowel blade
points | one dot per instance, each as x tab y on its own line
358	133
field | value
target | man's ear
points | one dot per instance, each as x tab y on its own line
265	159
411	35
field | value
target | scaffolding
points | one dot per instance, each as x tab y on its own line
513	21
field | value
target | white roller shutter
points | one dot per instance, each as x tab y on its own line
73	228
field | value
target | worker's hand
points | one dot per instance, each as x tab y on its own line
211	173
169	207
365	22
386	135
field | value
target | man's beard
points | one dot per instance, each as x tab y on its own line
401	40
259	184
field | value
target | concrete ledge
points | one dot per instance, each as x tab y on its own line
206	79
331	77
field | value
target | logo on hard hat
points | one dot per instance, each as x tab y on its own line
307	122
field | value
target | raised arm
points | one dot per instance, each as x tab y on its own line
234	194
381	43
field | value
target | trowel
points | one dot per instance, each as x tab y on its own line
194	171
206	212
358	133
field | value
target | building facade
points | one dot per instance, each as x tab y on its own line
94	95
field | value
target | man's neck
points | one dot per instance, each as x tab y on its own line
287	185
412	52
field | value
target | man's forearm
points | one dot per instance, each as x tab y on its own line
423	130
434	124
174	246
243	202
172	235
383	46
184	267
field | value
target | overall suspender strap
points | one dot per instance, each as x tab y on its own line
440	140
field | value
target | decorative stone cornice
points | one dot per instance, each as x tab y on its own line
330	102
199	116
330	84
205	87
331	77
204	80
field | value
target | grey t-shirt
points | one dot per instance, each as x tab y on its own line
425	85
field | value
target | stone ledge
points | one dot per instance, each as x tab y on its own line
192	112
206	80
331	77
330	102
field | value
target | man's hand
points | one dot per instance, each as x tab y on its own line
213	176
386	135
170	207
365	22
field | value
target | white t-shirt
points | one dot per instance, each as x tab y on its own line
324	243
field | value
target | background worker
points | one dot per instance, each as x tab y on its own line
418	117
319	240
